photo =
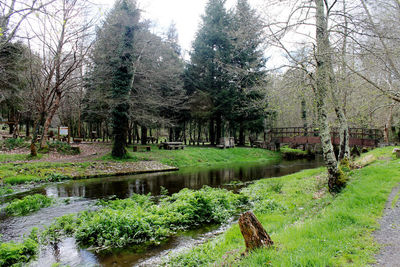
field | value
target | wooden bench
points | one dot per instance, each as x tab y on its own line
171	145
77	140
141	148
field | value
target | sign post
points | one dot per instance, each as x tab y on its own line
62	130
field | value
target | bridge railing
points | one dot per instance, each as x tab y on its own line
359	133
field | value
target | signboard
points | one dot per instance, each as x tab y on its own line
63	130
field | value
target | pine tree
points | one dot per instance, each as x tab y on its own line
211	52
248	74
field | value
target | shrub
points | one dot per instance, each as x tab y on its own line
57	177
28	205
15	254
63	148
12	143
139	219
5	190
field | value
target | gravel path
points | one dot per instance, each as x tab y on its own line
389	233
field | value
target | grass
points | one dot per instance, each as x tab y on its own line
200	156
292	153
19	173
309	226
18	157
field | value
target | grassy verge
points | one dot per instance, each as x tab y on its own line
200	156
19	173
308	225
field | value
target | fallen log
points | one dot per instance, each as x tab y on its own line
253	232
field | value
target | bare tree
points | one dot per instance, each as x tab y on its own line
13	13
62	37
317	62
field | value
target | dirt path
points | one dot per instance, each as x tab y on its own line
89	152
388	236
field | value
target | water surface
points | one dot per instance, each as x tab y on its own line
81	194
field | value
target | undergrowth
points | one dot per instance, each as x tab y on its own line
28	205
15	254
139	219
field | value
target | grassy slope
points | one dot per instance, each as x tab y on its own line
308	225
197	156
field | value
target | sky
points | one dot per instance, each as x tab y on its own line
186	14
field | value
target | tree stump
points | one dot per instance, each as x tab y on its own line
253	232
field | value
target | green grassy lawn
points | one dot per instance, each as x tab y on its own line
309	226
199	156
19	173
18	157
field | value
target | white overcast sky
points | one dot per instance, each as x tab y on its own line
186	14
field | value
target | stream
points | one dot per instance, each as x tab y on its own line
78	195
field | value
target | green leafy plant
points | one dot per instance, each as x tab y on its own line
140	219
57	177
12	143
15	254
5	190
63	148
28	205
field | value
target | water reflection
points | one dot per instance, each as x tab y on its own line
123	187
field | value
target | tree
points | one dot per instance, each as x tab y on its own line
62	39
318	65
323	80
12	15
247	68
122	23
211	53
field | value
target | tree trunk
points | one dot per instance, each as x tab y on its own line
36	128
28	124
218	123
171	134
212	132
253	232
199	133
336	180
49	118
242	140
388	125
144	135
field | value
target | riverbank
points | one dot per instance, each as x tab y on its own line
196	156
45	170
309	226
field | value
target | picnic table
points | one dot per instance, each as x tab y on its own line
171	145
142	148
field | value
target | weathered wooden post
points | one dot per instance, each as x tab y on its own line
253	232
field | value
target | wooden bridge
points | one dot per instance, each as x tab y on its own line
297	136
